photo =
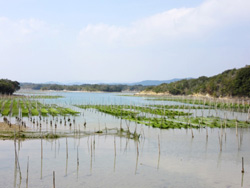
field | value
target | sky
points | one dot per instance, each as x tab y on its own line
121	41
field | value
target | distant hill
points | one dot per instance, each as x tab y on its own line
234	82
156	82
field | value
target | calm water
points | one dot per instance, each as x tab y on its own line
113	161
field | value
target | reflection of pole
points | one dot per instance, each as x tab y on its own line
236	126
220	141
191	129
126	147
242	165
77	157
206	132
27	179
137	156
114	153
55	148
54	180
159	153
94	147
15	173
41	158
58	146
67	148
91	156
16	157
120	143
66	157
114	145
241	138
88	144
77	162
20	182
248	114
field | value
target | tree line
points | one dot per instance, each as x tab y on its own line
84	87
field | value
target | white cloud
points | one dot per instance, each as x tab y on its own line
173	24
22	31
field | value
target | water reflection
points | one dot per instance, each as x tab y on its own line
160	158
175	153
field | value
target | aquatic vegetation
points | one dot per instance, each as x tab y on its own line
53	111
46	96
44	111
70	111
163	117
15	106
34	112
232	104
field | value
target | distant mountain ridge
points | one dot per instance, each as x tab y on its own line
157	82
143	83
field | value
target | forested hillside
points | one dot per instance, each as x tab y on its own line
235	82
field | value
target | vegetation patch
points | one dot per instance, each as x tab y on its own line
162	117
28	107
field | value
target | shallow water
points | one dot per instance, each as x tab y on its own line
183	161
116	161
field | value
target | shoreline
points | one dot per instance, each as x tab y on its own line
197	95
83	91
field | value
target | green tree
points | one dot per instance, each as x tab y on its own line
8	87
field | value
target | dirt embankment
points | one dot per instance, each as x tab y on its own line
4	127
198	95
152	93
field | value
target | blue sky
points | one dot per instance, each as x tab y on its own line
121	41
